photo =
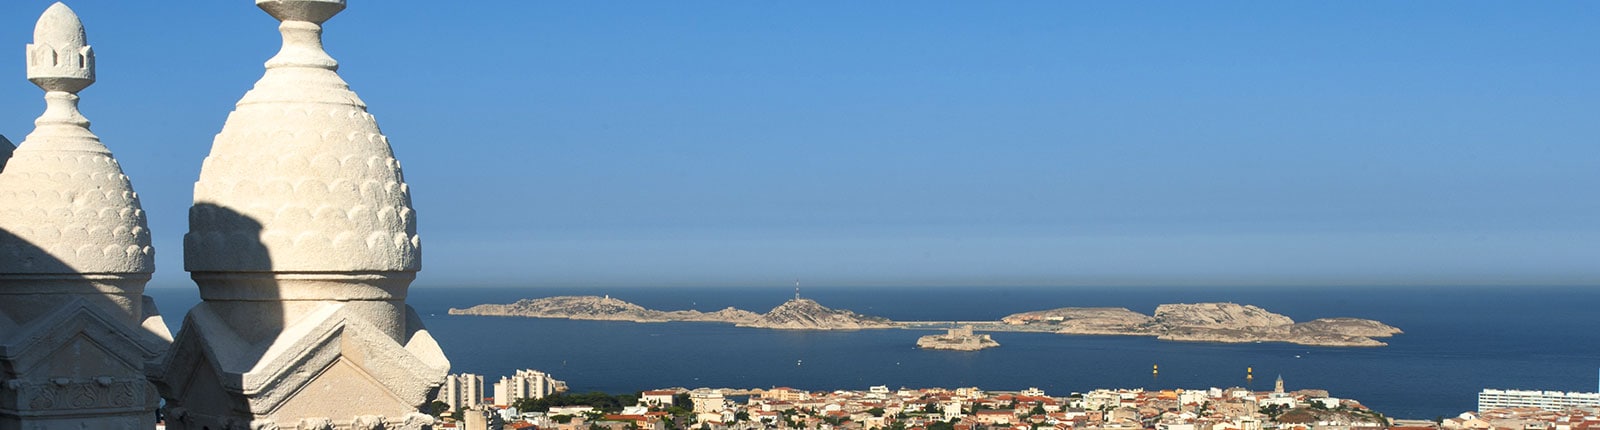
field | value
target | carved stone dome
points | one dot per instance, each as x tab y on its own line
301	179
70	211
65	205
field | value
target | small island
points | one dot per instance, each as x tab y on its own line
957	339
1182	322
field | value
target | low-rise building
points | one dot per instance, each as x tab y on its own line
657	398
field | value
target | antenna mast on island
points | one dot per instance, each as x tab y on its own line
797	289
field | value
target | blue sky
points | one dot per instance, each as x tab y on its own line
898	143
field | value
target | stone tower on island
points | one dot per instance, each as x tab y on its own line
77	333
303	243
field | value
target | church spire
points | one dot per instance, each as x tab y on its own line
74	259
96	223
303	243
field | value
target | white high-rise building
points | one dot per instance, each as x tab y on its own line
526	384
1490	399
462	391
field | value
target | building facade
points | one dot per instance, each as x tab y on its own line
462	391
526	384
1490	399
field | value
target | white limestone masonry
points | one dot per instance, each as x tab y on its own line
303	244
77	334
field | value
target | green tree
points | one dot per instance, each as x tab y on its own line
437	408
1038	409
600	401
741	416
679	411
876	412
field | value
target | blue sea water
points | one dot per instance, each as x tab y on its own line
1457	342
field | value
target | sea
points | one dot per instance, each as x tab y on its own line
1457	342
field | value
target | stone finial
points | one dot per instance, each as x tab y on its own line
60	58
63	197
302	31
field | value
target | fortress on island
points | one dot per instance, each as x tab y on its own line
301	240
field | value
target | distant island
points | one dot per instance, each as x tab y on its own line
1184	322
795	314
1205	322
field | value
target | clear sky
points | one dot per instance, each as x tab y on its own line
914	143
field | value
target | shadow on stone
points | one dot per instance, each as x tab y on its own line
5	151
74	347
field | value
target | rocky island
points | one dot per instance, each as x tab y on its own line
1183	322
807	314
1205	322
957	339
796	314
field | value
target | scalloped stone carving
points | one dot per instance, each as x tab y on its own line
63	198
303	242
301	179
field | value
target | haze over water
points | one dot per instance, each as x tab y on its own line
1457	342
